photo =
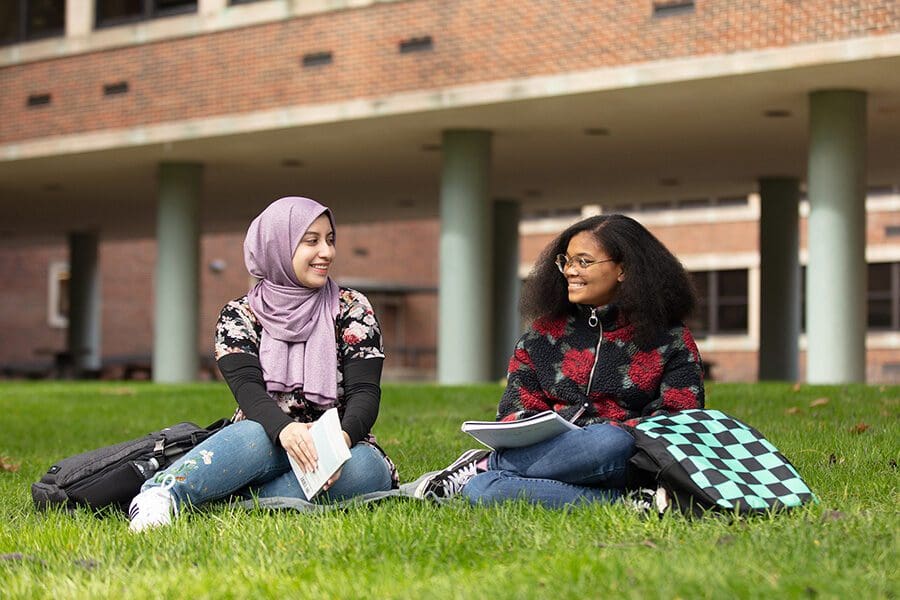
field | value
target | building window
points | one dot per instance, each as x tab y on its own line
58	295
722	302
26	20
118	12
882	297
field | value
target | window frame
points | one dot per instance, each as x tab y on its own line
892	294
150	10
57	273
710	303
870	296
22	33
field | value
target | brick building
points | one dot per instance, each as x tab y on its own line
452	139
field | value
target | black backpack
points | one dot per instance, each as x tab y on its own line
706	460
112	476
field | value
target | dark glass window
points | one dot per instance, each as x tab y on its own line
693	203
169	6
113	11
26	20
45	18
732	201
699	322
116	12
722	302
732	301
882	297
9	22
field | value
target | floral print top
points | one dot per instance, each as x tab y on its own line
599	374
357	334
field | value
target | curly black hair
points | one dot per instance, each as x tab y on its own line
655	294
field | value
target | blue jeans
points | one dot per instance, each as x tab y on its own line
241	459
579	466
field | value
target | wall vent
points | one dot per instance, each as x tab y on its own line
317	59
892	231
38	100
114	89
670	8
416	44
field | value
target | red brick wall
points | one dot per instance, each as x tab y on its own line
700	237
126	279
257	67
26	336
397	252
883	366
876	224
693	238
732	366
403	252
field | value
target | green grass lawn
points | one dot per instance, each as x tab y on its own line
845	441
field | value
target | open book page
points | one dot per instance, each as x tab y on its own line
516	434
331	448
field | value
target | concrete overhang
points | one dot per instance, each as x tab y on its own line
667	130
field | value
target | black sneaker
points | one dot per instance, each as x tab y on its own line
445	484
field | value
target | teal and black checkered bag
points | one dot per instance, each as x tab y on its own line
707	460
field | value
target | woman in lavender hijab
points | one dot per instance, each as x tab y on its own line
293	347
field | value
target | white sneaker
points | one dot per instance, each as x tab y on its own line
648	500
151	508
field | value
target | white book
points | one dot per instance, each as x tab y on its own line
516	434
331	448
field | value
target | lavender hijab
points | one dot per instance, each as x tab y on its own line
298	348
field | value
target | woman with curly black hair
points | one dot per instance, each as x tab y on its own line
607	347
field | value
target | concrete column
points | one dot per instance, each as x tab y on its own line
506	283
80	17
177	273
465	297
83	335
836	273
779	258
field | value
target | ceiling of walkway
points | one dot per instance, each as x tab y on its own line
684	140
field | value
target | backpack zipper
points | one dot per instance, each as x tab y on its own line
593	321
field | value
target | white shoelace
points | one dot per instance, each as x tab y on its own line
456	480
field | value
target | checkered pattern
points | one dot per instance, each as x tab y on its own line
730	461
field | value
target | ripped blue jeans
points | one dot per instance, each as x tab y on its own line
241	460
576	467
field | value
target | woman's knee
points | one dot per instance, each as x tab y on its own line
611	442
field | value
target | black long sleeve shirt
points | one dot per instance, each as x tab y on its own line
362	394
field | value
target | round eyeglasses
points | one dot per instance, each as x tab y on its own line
563	262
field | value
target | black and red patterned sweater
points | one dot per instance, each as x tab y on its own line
552	363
